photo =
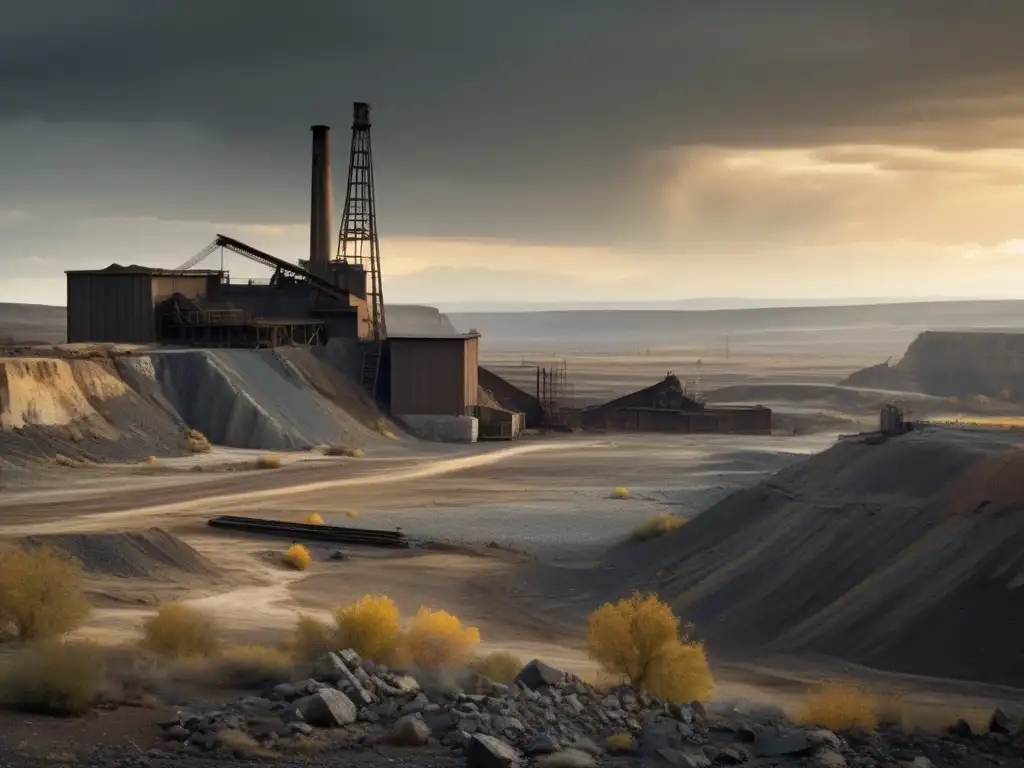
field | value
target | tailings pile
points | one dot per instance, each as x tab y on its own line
908	555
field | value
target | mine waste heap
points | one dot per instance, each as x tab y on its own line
667	407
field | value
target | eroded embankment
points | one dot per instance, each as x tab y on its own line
80	409
954	364
132	406
906	556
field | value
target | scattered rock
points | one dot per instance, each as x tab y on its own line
537	674
489	752
829	759
339	554
962	729
569	758
410	731
1000	722
327	708
792	744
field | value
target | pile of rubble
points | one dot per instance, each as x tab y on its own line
551	717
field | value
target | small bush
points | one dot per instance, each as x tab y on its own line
658	526
313	519
269	461
53	678
639	638
180	632
500	666
253	666
197	442
297	557
41	592
310	639
620	493
840	707
368	626
619	742
381	427
151	461
351	514
438	639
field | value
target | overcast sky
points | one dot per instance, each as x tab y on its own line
535	150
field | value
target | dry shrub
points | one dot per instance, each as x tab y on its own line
438	639
180	632
369	626
351	514
639	638
241	745
840	707
313	519
310	639
381	427
499	666
297	557
53	678
253	666
151	461
269	461
658	525
620	493
343	450
619	742
41	592
197	442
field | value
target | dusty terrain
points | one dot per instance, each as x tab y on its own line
792	578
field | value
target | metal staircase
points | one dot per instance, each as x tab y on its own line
371	367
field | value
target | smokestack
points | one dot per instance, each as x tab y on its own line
320	203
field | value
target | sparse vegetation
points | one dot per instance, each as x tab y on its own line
438	639
499	666
369	626
840	707
658	525
313	519
241	745
53	678
253	666
619	742
197	442
268	461
381	427
620	493
351	514
180	632
298	557
41	594
638	638
310	639
151	461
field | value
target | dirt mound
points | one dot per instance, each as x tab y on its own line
151	555
907	556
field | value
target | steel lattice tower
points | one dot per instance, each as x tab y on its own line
357	237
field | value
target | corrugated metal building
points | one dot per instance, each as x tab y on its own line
434	375
118	304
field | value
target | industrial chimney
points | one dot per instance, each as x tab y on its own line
320	204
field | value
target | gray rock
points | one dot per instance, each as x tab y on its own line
304	728
410	731
327	708
792	744
962	729
537	674
339	554
166	718
177	733
441	721
543	744
583	744
350	657
730	756
823	738
488	752
418	704
329	668
684	759
1000	722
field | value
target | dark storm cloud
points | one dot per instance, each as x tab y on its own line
518	120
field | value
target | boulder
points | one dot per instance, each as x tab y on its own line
489	752
410	731
537	675
791	744
327	708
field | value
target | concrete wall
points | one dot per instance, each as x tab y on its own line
430	376
498	423
511	397
111	308
442	429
